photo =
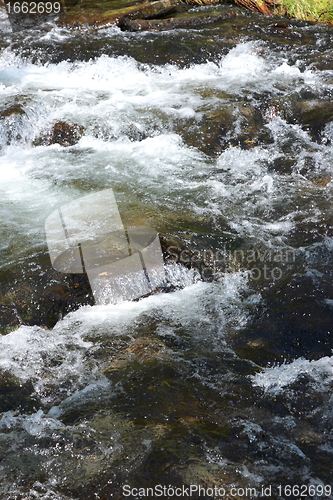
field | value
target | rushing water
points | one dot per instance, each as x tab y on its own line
223	380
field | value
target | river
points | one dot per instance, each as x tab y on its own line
219	138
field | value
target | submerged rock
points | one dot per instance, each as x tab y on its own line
142	350
288	324
232	125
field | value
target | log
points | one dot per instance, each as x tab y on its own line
262	6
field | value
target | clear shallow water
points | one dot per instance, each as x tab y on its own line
224	381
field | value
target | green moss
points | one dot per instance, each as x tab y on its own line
309	10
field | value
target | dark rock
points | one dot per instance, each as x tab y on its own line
40	297
58	299
295	322
11	108
12	116
16	305
61	133
254	131
195	21
14	394
212	134
217	129
104	13
279	26
314	115
321	61
283	165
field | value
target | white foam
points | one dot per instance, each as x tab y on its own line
56	361
243	64
52	362
274	380
292	73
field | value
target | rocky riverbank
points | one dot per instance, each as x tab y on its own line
170	13
164	15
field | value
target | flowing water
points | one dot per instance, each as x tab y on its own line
221	140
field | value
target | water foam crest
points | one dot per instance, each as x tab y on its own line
274	380
52	362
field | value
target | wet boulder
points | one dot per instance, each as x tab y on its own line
212	133
192	20
57	299
13	107
14	394
12	116
105	13
219	129
63	133
283	165
253	128
321	61
294	320
41	297
313	116
16	305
